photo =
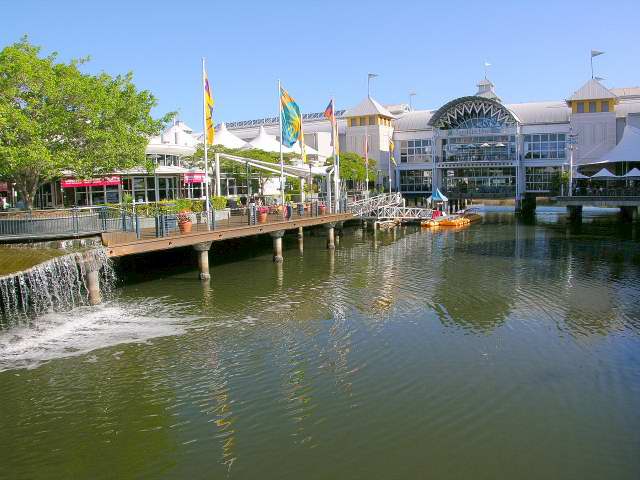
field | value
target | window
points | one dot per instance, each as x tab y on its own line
415	180
415	151
604	106
372	120
592	107
543	179
580	107
543	146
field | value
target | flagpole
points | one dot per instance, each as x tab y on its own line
366	159
336	160
281	138
206	144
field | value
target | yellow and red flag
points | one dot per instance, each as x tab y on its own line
208	111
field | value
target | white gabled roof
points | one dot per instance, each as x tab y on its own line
368	107
634	172
592	90
224	137
628	150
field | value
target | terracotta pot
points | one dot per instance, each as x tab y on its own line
185	227
262	217
322	209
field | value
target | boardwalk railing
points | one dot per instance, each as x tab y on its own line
71	221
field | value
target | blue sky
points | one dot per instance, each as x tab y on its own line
538	50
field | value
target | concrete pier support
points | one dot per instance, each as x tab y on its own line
277	245
331	238
300	232
93	285
575	212
203	259
629	213
526	206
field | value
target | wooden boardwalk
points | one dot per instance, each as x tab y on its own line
120	244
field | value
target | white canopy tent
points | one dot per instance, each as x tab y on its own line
633	173
580	176
227	139
628	150
604	174
266	142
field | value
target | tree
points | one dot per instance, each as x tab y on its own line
53	117
352	167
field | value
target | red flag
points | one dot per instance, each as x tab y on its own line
328	112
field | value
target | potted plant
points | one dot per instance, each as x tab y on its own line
262	214
184	221
322	208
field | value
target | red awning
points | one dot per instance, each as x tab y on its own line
189	178
91	182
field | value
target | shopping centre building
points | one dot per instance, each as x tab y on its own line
477	145
473	146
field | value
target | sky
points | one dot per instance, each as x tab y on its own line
319	49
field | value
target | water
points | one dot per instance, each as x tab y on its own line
502	350
58	284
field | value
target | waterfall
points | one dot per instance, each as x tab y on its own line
58	284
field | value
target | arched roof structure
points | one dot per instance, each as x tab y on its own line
473	112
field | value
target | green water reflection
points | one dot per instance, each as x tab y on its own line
504	350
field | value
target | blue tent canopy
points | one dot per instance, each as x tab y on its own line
438	197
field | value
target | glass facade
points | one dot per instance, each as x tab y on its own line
480	180
545	145
486	148
543	179
415	181
415	151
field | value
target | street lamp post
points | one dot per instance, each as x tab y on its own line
573	141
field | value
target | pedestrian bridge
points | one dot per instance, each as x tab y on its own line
388	206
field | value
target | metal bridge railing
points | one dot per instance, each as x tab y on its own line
372	204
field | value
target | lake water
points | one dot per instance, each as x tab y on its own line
499	351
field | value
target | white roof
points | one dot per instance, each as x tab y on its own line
579	175
634	172
592	90
541	112
416	120
603	173
266	142
224	137
628	150
368	106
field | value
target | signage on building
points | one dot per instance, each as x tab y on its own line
4	187
91	182
192	177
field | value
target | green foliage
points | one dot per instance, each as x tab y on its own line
352	167
55	117
218	203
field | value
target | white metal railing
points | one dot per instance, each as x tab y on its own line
404	213
372	204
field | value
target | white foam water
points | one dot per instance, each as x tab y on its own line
85	329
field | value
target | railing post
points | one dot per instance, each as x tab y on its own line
137	226
75	220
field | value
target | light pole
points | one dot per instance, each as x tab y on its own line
411	95
572	139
